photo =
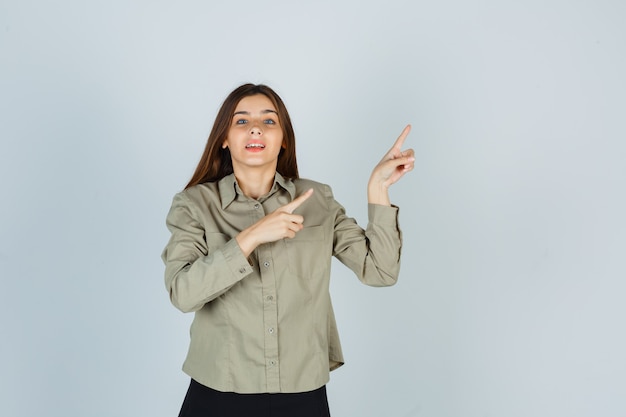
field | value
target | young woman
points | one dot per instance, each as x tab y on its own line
250	254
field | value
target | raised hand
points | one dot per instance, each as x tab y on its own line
390	169
281	224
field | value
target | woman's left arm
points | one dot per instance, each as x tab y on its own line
389	170
374	254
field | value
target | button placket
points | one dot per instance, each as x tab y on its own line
270	315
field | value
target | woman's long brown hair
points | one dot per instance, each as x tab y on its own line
216	163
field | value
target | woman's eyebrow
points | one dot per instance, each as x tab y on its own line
248	113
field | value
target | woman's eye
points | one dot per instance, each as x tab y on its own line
241	121
269	122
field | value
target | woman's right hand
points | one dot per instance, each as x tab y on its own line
281	224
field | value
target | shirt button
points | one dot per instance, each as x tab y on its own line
242	270
273	362
256	206
266	264
271	330
270	298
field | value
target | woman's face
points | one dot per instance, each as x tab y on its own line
255	136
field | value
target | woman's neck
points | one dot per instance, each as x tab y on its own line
255	184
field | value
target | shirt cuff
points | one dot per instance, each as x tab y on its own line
235	259
383	215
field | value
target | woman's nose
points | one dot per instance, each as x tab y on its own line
256	130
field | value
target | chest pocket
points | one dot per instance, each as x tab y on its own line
308	255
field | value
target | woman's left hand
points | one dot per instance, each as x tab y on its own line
390	169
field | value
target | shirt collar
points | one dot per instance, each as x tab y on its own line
229	189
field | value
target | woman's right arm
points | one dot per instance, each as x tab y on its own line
199	266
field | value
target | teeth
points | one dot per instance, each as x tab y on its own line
255	145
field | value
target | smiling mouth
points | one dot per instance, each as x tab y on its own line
255	146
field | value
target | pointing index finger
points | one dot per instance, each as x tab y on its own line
400	141
297	202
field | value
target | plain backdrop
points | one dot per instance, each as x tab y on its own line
511	296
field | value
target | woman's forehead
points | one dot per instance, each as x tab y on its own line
257	102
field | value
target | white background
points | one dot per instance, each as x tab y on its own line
510	300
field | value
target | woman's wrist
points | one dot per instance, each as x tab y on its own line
378	193
246	242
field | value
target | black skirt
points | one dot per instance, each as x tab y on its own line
202	401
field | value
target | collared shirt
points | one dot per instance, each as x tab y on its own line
265	323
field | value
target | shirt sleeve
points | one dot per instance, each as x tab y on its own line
199	266
374	253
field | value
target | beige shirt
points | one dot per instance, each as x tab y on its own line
265	323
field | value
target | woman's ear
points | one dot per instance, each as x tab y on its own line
283	145
225	144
